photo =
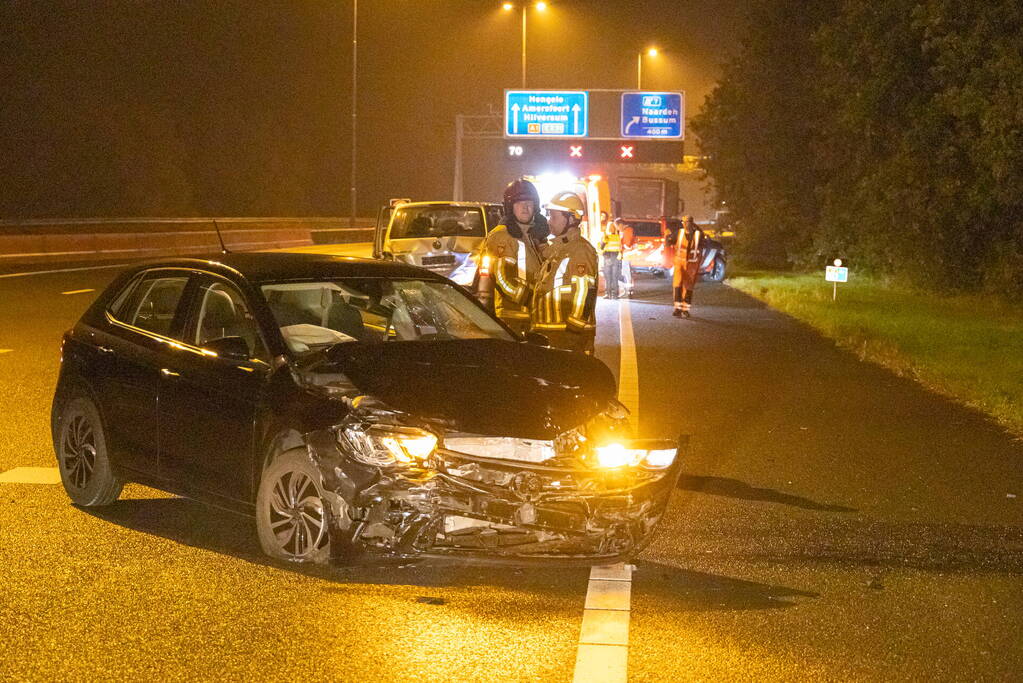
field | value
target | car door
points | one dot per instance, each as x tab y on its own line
383	220
209	400
131	348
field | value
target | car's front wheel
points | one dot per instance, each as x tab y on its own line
717	273
82	456
291	516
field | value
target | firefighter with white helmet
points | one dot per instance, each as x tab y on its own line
564	303
513	252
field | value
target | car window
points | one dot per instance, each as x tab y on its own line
373	310
437	221
152	304
223	312
495	214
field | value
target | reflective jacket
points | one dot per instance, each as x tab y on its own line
514	265
564	304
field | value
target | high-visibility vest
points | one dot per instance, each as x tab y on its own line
612	242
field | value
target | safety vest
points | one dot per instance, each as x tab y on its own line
612	242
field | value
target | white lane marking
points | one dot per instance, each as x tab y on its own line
62	270
603	653
31	475
79	291
628	375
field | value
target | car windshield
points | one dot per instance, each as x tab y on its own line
437	221
315	315
646	228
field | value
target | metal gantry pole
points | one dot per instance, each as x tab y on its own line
355	92
639	71
459	130
524	6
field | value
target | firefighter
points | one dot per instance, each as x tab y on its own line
628	244
687	241
513	252
564	305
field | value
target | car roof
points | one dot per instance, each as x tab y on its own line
446	203
273	266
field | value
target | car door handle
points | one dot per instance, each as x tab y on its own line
169	373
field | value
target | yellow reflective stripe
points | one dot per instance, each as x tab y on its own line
582	284
513	292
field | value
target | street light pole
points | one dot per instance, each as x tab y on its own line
355	93
639	71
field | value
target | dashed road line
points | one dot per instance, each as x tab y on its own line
79	291
31	475
603	652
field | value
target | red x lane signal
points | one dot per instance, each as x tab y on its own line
575	151
627	152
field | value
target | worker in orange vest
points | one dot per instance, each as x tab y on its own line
687	240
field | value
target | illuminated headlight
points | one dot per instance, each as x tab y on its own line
616	455
464	274
386	445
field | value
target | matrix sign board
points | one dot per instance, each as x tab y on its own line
653	115
546	113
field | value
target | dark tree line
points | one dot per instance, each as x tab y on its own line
889	133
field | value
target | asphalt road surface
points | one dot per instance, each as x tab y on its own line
834	522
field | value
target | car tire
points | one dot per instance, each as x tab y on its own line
82	456
717	273
292	518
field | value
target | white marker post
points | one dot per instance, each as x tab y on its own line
836	274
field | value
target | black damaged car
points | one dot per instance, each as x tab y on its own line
356	409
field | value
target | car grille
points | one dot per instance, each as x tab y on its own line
443	260
506	448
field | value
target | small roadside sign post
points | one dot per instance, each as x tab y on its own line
835	274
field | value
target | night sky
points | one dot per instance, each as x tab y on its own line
243	108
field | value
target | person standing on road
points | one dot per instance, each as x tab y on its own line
564	304
514	251
628	242
611	252
686	239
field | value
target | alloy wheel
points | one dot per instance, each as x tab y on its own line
78	451
297	518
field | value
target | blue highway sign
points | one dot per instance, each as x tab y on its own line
653	115
546	113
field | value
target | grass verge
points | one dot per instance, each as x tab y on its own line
969	348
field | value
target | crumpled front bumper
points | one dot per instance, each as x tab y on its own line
478	509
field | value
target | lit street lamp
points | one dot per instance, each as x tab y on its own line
540	7
652	52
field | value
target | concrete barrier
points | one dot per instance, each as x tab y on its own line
89	240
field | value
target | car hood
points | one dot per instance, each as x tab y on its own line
480	386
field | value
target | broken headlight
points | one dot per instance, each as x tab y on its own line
656	456
383	445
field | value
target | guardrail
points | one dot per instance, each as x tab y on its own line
92	239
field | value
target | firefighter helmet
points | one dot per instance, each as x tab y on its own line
569	202
520	190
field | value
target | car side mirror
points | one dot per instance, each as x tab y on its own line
231	348
536	338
